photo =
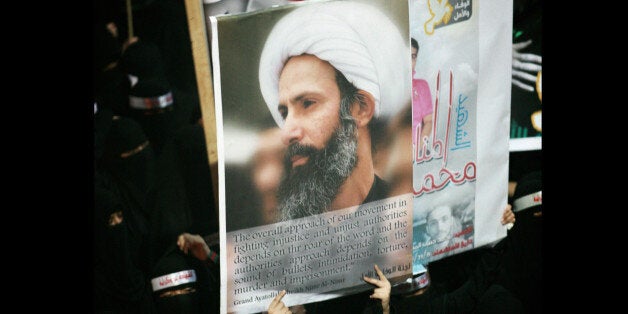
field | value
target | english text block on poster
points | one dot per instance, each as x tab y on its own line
318	254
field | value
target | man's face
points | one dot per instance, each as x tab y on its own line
322	150
309	100
439	223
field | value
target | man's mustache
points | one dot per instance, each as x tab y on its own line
297	149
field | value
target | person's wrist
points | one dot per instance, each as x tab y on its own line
385	305
211	257
386	308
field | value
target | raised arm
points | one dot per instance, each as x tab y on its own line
382	291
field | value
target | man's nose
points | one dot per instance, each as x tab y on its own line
440	226
292	131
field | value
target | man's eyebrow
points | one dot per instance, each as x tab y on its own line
305	94
298	98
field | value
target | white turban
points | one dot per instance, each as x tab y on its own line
355	38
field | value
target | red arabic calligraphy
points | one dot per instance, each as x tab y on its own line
431	183
439	150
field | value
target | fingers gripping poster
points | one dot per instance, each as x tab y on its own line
460	108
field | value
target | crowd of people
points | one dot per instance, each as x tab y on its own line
155	219
151	171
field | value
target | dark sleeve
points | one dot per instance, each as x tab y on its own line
118	277
462	300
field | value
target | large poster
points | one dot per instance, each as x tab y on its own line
461	95
313	126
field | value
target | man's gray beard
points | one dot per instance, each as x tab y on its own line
309	189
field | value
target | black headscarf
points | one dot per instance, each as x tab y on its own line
111	84
181	284
151	99
129	158
523	273
120	247
182	198
120	282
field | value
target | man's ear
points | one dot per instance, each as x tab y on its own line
364	112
